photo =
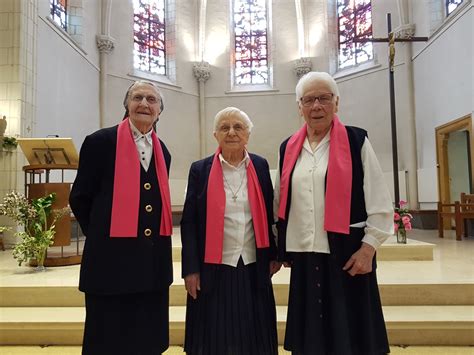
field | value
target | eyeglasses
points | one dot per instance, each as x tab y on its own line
150	99
324	99
238	128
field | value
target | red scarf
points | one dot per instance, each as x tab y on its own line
216	201
126	198
337	211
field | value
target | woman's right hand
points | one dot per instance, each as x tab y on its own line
192	282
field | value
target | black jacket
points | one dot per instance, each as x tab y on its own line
193	223
117	265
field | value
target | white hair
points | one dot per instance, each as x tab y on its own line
312	77
132	87
229	112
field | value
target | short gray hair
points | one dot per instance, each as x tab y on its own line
143	82
312	77
232	111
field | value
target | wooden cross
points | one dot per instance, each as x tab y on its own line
391	56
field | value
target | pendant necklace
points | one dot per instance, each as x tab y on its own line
234	194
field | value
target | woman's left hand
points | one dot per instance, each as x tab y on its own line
275	266
361	261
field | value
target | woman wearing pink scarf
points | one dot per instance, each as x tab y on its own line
334	210
121	200
229	248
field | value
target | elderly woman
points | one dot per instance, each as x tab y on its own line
334	211
121	200
228	247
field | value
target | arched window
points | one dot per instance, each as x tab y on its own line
355	22
149	36
251	42
59	13
67	14
451	5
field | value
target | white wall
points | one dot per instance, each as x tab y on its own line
443	71
67	77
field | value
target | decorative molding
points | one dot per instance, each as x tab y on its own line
302	66
201	71
105	43
405	31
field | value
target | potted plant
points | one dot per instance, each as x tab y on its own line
9	143
402	222
32	215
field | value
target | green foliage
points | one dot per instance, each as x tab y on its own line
32	215
9	143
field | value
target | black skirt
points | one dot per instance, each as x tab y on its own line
130	324
234	318
331	312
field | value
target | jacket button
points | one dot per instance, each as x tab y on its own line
147	186
147	232
148	208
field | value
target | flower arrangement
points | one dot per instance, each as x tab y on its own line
402	221
9	143
32	215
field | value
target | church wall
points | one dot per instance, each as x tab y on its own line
443	71
67	77
179	123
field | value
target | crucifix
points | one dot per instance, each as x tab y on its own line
391	56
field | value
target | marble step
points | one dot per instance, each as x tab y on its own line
413	250
391	294
406	325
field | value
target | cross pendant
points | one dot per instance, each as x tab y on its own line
234	197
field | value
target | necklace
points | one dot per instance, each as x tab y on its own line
234	194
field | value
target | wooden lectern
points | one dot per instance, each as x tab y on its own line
48	158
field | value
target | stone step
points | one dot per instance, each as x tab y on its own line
406	325
391	294
414	250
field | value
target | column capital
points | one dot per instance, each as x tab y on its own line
201	71
105	43
302	66
406	31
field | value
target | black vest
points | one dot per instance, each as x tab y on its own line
358	211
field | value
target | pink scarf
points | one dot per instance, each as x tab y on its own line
337	209
216	201
126	198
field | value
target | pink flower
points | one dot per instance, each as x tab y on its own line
402	203
395	226
396	216
408	226
405	219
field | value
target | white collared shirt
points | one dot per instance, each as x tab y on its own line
305	231
239	235
144	145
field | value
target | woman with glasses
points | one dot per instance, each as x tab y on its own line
334	210
228	248
121	200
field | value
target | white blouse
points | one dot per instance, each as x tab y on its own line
239	235
305	231
144	145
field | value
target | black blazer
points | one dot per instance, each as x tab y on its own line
114	265
193	223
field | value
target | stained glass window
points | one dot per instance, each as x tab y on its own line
451	5
250	31
149	47
59	12
355	21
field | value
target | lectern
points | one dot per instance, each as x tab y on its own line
48	159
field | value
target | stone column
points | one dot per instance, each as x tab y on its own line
202	73
105	44
410	157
